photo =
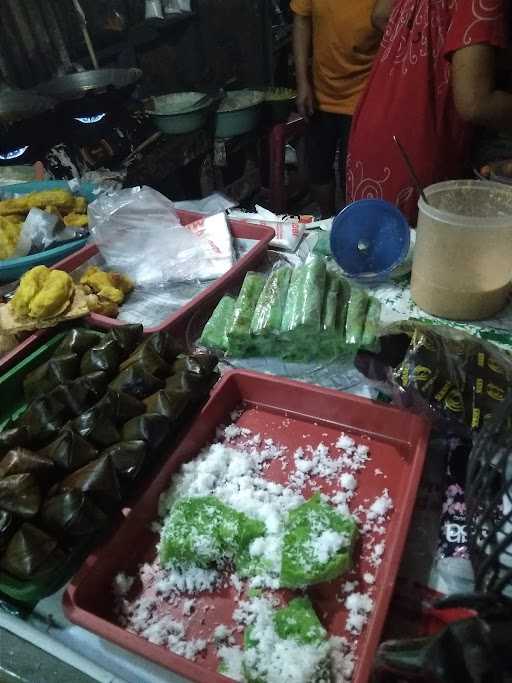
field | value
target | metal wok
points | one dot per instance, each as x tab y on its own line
96	82
20	105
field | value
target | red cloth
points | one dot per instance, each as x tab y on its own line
409	95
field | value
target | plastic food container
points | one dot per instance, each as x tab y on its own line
284	411
12	269
173	116
463	256
179	320
242	118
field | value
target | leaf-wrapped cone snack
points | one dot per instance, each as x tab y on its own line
96	425
30	552
58	369
127	457
161	404
23	461
79	341
186	383
151	428
198	364
104	357
71	515
20	494
77	396
149	360
127	337
97	382
136	381
44	418
165	345
98	479
70	451
121	406
18	436
172	404
7	527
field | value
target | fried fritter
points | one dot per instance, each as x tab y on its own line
42	293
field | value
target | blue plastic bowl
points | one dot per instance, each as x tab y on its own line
13	269
369	239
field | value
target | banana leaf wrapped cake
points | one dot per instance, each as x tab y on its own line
98	412
304	314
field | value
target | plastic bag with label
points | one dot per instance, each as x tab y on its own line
138	232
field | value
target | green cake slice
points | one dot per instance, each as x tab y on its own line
317	546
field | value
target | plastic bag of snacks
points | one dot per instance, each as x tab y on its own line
447	374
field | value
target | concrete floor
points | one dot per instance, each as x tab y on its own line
22	662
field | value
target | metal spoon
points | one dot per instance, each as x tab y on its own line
409	165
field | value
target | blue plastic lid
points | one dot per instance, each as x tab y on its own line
369	239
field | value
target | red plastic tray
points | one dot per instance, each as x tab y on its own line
179	320
287	412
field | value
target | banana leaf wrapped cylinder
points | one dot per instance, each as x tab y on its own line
128	458
333	316
121	407
371	326
268	316
127	337
31	552
137	381
8	525
240	342
293	298
46	377
305	317
104	357
165	345
99	480
23	461
215	332
356	316
79	341
72	515
148	359
96	426
70	451
151	428
44	418
21	495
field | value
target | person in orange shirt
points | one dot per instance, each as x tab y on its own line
334	45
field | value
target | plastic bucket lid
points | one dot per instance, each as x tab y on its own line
369	239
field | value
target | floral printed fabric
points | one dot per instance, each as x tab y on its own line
409	95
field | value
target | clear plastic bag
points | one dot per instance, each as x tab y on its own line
37	232
138	232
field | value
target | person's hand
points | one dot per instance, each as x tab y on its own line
305	100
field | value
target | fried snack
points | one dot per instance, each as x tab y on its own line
10	228
80	205
43	293
105	291
102	306
76	220
62	199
